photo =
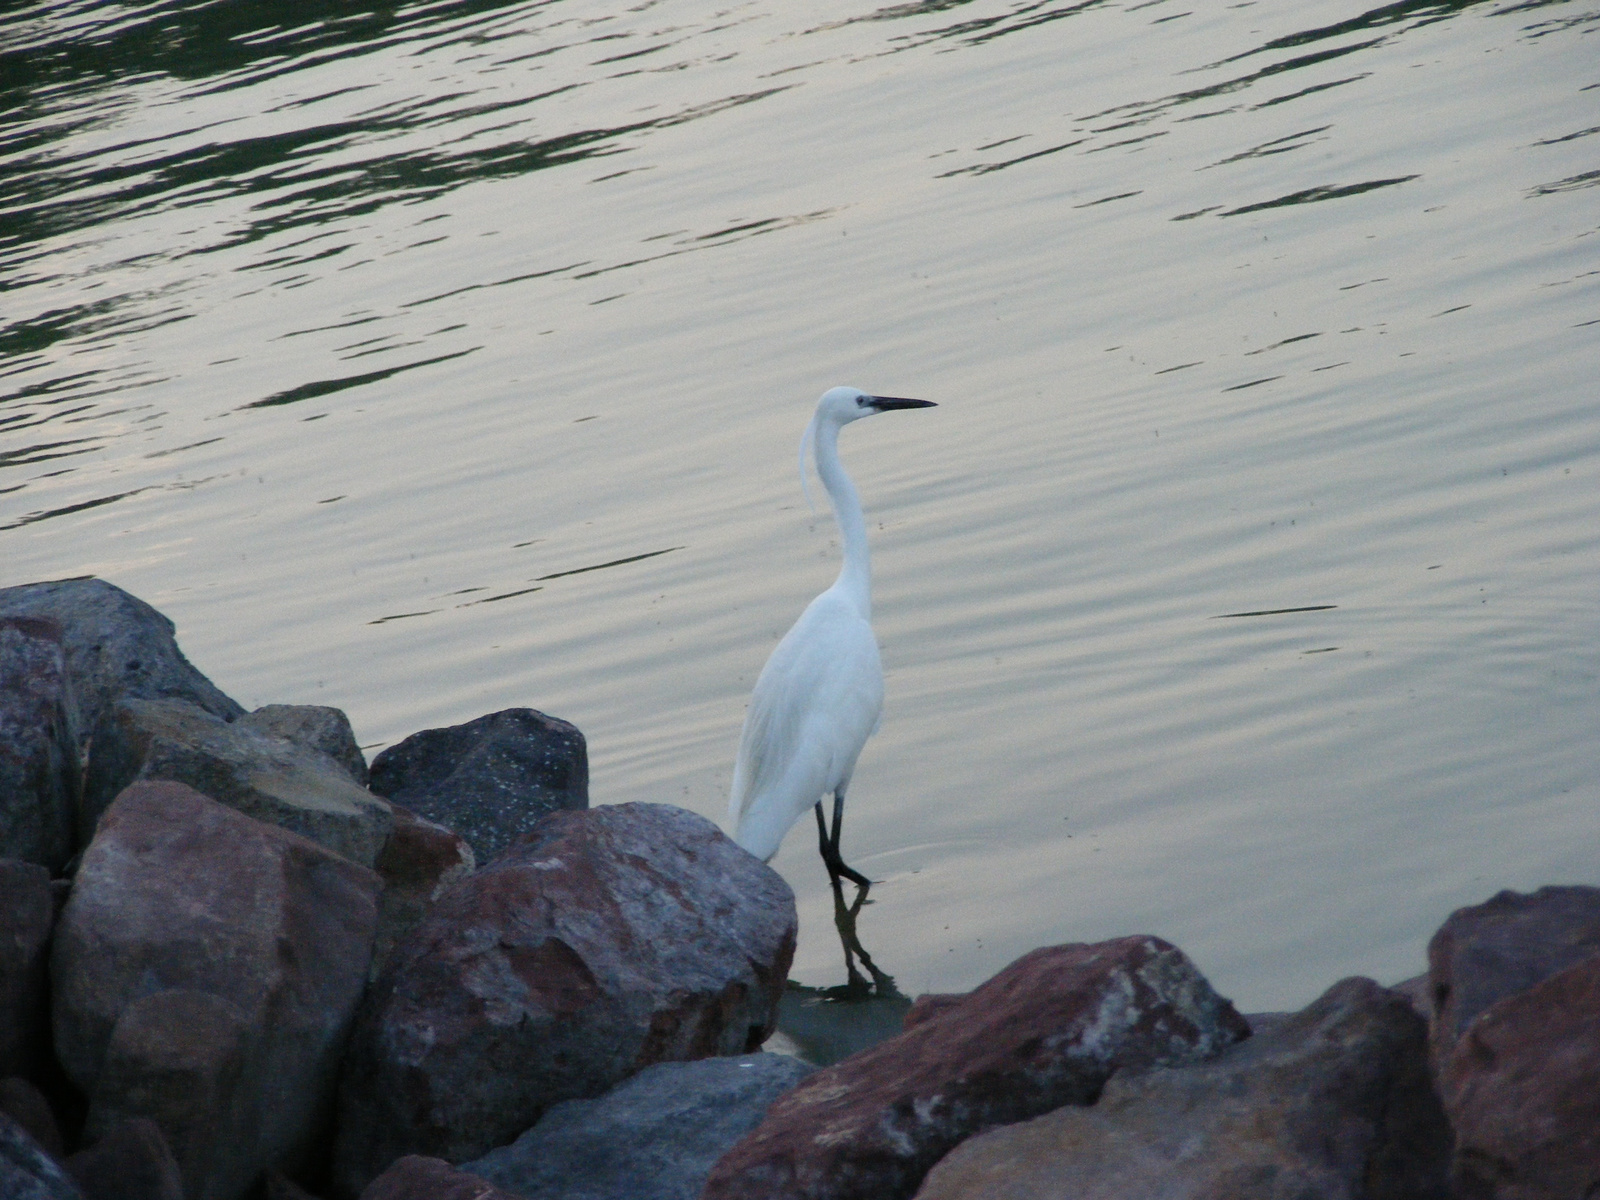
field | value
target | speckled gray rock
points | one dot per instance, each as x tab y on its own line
27	1172
269	778
653	1137
116	645
608	940
39	775
491	779
315	725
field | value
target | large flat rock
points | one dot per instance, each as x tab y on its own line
262	775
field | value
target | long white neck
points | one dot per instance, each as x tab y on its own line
855	575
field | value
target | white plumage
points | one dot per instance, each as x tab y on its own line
820	696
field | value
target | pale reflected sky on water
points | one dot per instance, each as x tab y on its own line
350	341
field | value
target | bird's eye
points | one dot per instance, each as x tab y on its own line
863	401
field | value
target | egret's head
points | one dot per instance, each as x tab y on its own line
841	405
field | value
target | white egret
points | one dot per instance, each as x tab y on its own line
820	696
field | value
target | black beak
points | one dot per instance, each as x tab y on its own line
886	403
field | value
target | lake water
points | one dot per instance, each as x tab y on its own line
357	340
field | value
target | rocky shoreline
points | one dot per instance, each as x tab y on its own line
235	962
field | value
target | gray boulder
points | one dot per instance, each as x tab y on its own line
608	940
263	776
1331	1103
39	775
206	970
315	725
491	779
654	1137
116	645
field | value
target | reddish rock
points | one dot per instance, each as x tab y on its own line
315	725
1517	1043
262	775
609	939
490	780
130	1162
419	861
1504	946
27	1106
1048	1030
39	777
207	968
116	645
27	914
417	1178
1330	1103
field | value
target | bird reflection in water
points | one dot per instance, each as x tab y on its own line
820	696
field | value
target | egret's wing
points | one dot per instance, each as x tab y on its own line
814	706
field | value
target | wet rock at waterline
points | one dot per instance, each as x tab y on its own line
490	779
39	775
263	776
653	1137
116	646
1048	1030
1331	1103
609	939
1516	1043
206	970
27	915
315	725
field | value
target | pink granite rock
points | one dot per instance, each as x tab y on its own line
607	940
1331	1103
418	862
1048	1030
1517	1043
207	967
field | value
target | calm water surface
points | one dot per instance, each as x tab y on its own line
359	341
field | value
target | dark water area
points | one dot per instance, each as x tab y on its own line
435	358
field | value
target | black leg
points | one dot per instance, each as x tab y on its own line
830	844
